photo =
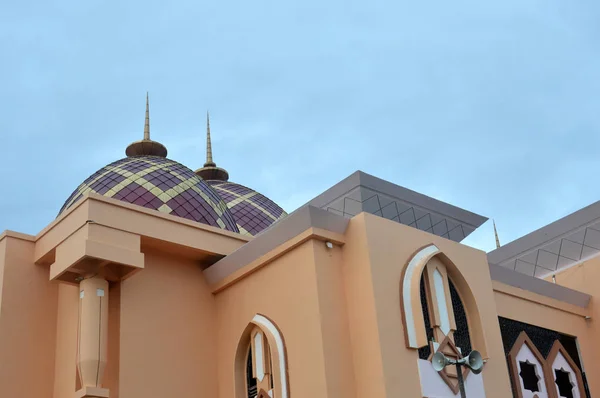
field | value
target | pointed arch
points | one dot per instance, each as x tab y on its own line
412	313
559	360
524	353
274	352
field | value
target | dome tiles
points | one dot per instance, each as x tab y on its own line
252	211
158	183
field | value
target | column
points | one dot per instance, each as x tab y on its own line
92	336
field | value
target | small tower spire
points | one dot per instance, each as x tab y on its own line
146	147
496	235
209	158
210	171
147	121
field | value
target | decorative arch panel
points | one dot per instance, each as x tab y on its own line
430	301
529	372
566	376
263	373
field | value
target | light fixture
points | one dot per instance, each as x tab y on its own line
329	245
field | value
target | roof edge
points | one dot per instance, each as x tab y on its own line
545	234
17	235
539	286
360	178
375	183
277	234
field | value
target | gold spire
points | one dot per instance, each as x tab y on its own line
209	158
496	235
146	147
210	171
147	122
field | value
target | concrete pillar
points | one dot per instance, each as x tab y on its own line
92	336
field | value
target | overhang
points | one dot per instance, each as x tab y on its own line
305	223
100	232
557	246
363	192
539	286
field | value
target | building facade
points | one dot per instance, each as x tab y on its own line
157	281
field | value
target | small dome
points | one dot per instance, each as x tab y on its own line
161	184
252	211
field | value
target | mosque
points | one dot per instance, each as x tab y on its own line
157	281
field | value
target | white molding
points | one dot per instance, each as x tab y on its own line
525	355
268	325
417	262
560	363
259	356
442	304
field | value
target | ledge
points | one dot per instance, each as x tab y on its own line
97	249
196	240
308	222
17	235
502	288
92	392
532	285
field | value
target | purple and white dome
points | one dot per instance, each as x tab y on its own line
146	177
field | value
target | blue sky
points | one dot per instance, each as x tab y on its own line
490	106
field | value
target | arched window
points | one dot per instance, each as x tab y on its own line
460	335
528	369
445	319
250	379
440	314
259	376
261	369
567	377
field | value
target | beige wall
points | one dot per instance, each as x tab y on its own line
288	291
337	348
583	277
390	245
66	341
167	330
339	311
362	314
111	375
2	267
28	314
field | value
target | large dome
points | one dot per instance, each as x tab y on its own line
161	184
252	211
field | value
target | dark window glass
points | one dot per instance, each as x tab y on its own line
250	380
425	351
529	377
563	381
542	338
461	335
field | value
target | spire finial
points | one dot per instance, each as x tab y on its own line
209	158
496	235
146	147
147	122
210	171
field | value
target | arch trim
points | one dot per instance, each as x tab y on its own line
556	350
411	303
266	323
